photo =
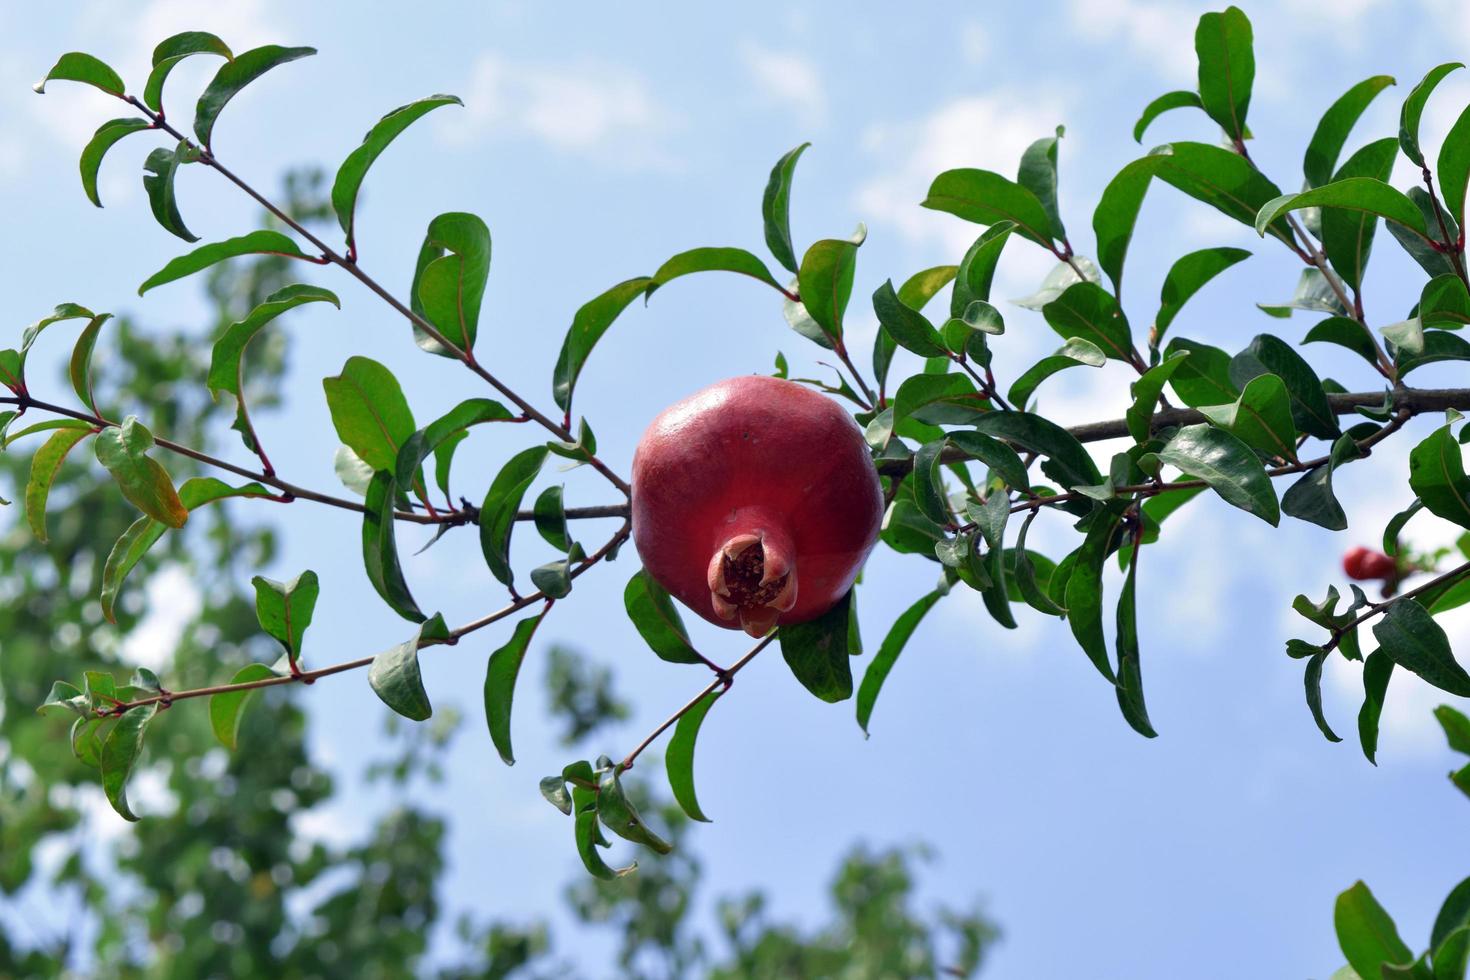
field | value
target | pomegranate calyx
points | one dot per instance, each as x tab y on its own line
752	578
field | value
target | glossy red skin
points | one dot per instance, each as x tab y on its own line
750	454
1365	564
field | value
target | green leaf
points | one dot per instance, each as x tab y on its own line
1084	593
369	412
1227	67
1164	103
976	272
394	674
1220	178
1377	669
1031	590
1344	332
44	467
618	814
350	175
893	644
122	449
926	485
439	438
162	167
120	753
1333	129
1068	462
1227	465
500	684
80	367
1003	461
284	608
1444	302
1456	728
816	652
987	198
588	326
1437	346
1038	174
1367	935
65	698
380	548
170	52
1076	351
825	282
736	260
1146	392
107	134
1186	277
1414	641
1437	476
1310	408
77	66
1347	236
1422	250
551	518
776	208
227	708
262	242
1313	682
1130	676
1447	939
1413	109
907	326
915	293
449	281
1311	498
1116	214
1260	417
143	533
1361	194
232	77
1314	292
554	579
1453	167
498	512
584	803
657	619
1204	377
679	759
1088	311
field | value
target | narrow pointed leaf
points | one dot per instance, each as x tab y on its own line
1413	109
898	636
1313	681
44	467
78	66
107	134
1332	131
1146	392
657	619
262	242
1362	194
776	208
907	326
588	326
233	76
1227	68
736	260
1130	675
825	282
380	548
1068	460
498	512
1227	465
1038	174
1377	670
679	759
441	432
1161	105
1347	236
80	367
170	52
227	709
120	753
1185	278
350	175
1076	351
1084	593
500	684
1453	167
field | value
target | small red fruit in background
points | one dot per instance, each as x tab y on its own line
1365	564
755	502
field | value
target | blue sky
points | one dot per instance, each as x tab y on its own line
596	149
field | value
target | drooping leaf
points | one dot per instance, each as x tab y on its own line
498	512
1431	257
1227	465
987	198
1344	332
1161	105
1453	167
262	242
1437	476
736	260
123	449
588	326
449	282
170	52
120	751
618	814
1185	278
352	171
78	66
44	466
79	369
589	837
1332	131
1227	68
107	134
284	608
394	674
1031	589
551	518
233	76
816	652
1311	498
1220	178
776	208
926	485
500	684
1084	594
439	437
679	759
1313	682
1260	417
1310	408
1116	215
882	664
1413	109
1377	670
1076	351
161	167
227	708
1367	935
1413	640
1456	728
915	293
1130	675
369	412
657	619
380	548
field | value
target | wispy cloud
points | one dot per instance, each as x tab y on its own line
787	79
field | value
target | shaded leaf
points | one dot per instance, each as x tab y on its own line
120	751
232	77
588	326
1084	592
1038	174
498	512
1347	236
1227	465
1260	417
227	708
679	759
907	326
262	242
380	548
1130	676
1146	392
1437	476
825	282
893	644
1088	311
1414	641
172	50
352	171
1204	377
107	134
776	208
1377	669
1344	332
394	674
618	814
1310	409
162	167
500	684
1313	681
816	652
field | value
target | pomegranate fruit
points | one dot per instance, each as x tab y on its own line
755	502
1366	564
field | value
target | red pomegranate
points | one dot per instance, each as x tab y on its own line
1365	564
755	502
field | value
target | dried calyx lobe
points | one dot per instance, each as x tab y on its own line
755	503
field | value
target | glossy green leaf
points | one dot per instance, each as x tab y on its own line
1437	476
122	449
776	208
816	651
1003	461
173	50
262	242
284	608
1444	302
1414	641
79	369
107	134
500	684
1313	682
588	326
498	512
825	282
1413	109
987	198
1377	670
882	664
1116	215
1260	417
1227	68
1451	930
1437	345
1361	194
1453	167
1220	178
1366	933
1347	236
1227	465
1088	311
434	436
679	759
380	548
907	326
1310	409
1164	103
1204	377
143	533
227	709
657	619
1456	728
1076	351
120	753
1130	675
1146	392
78	66
551	518
233	76
350	175
369	412
926	485
1067	460
1185	278
976	272
915	294
45	464
1084	592
736	260
618	814
939	399
589	837
449	280
1337	122
1423	250
1031	588
1038	174
1344	332
394	674
161	167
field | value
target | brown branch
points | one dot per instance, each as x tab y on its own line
1374	608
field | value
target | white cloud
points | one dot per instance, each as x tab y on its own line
788	79
173	601
1161	31
974	43
581	108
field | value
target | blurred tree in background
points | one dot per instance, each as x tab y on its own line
216	886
